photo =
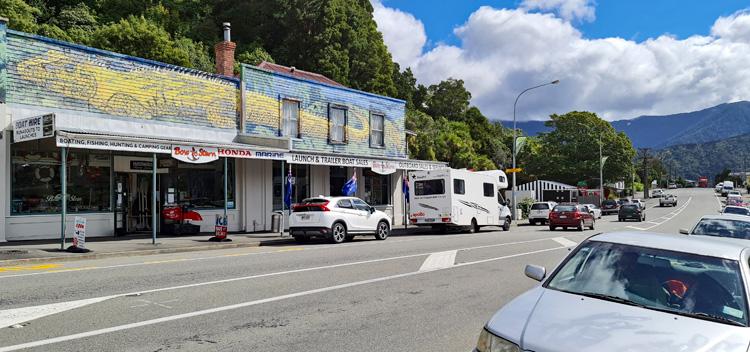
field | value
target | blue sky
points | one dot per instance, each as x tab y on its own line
629	19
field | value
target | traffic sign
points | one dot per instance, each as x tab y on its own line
510	171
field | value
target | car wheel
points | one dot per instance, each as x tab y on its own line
338	233
506	225
580	226
532	222
552	228
301	239
383	231
619	219
473	228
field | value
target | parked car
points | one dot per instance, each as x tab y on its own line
570	215
734	199
595	211
631	212
724	225
631	291
539	212
727	186
610	206
731	209
337	219
657	192
719	186
668	200
622	201
672	186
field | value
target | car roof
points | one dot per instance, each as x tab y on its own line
720	247
331	199
737	217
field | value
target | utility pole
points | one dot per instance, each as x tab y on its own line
645	155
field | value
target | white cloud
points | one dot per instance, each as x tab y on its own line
567	9
503	51
402	32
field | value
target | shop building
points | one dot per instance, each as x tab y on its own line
129	127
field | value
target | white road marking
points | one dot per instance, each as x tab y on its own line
29	311
224	256
565	242
664	218
439	260
244	305
10	317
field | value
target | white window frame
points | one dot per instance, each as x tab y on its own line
332	126
374	142
285	120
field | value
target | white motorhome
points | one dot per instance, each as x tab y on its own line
458	198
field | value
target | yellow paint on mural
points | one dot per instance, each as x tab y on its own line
145	93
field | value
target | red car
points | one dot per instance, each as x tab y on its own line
570	215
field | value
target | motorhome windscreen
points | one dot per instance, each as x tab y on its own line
429	187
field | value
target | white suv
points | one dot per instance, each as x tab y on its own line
539	212
338	219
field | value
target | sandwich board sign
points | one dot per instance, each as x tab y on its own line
79	233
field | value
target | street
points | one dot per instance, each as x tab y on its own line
419	292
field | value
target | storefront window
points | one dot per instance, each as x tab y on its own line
36	185
300	183
338	178
200	185
377	188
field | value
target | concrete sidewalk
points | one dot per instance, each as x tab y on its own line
15	253
25	252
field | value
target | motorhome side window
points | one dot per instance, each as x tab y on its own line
489	190
501	179
459	186
429	187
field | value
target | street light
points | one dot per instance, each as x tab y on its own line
513	192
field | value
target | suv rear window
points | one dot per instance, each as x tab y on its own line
609	202
429	187
539	206
565	208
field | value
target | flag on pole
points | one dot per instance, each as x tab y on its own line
288	193
350	187
405	188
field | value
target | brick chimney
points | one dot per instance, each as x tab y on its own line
225	53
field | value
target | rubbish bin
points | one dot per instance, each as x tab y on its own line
276	221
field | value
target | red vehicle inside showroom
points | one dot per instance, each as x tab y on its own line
570	215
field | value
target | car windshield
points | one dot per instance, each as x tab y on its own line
681	283
736	210
560	208
609	202
723	228
539	206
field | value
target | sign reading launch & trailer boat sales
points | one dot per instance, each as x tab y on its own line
35	127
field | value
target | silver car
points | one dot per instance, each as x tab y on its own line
632	292
723	225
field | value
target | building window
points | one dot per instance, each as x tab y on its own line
489	190
459	186
300	183
290	118
377	130
377	188
36	185
200	185
337	125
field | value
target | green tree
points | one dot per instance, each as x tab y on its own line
405	83
448	99
255	56
570	152
21	15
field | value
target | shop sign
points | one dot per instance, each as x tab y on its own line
250	154
418	165
383	167
143	165
328	160
85	142
79	234
31	128
195	155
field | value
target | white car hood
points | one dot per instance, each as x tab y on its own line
543	320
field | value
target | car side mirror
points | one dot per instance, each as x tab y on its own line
372	209
535	272
684	231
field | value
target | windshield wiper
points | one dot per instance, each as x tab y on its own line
611	298
711	317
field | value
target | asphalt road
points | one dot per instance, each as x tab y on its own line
408	293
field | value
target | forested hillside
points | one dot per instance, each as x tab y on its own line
707	159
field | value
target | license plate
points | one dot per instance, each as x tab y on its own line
429	220
304	217
563	217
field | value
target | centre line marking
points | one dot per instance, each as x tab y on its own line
676	212
245	304
565	242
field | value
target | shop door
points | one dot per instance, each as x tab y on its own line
134	213
121	200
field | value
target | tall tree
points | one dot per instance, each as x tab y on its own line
448	99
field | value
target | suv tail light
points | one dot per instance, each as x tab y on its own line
577	215
311	207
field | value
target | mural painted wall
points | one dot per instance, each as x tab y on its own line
49	73
265	90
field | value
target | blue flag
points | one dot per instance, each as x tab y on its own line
288	193
350	187
405	188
